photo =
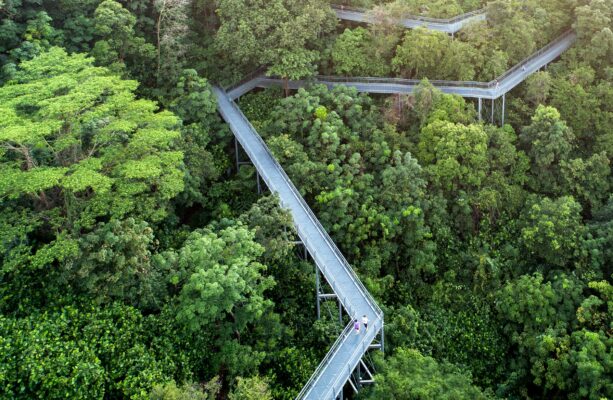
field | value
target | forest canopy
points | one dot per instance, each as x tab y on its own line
139	258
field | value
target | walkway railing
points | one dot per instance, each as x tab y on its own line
341	258
325	361
399	81
473	89
422	18
256	79
563	36
247	78
341	277
465	84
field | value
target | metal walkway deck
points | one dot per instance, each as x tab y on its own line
481	90
334	371
451	25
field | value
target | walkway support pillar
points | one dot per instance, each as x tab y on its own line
382	338
503	106
236	153
318	291
257	177
340	311
492	117
480	107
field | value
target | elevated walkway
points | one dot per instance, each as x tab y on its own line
447	25
468	89
337	367
346	353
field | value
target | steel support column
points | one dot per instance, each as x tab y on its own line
503	106
318	290
236	153
368	373
480	107
257	177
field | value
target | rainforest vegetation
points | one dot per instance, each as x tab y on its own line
138	261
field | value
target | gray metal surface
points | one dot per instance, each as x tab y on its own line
336	368
447	25
468	89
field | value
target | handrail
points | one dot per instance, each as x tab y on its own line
437	82
457	18
318	225
534	55
325	361
250	76
332	387
399	81
378	317
378	313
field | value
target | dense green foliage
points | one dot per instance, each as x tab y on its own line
137	261
279	34
458	240
482	51
407	375
437	9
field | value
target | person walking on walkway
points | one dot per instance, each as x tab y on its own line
365	322
356	326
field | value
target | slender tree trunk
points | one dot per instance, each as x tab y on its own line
159	42
29	160
42	197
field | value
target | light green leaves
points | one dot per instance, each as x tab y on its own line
408	375
225	280
82	129
15	182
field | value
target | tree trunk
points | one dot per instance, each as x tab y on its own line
159	44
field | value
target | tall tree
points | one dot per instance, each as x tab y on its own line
171	30
118	44
431	54
222	292
354	53
408	375
548	141
77	147
278	34
552	230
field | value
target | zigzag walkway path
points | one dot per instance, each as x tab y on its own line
328	380
330	377
483	90
451	25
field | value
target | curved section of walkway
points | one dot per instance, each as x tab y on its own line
330	377
336	368
451	25
483	90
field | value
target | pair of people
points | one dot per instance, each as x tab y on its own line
356	324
